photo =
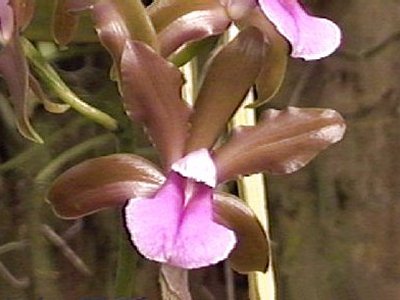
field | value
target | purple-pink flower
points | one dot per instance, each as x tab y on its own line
6	21
179	228
310	37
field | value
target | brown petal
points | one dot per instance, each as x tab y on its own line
283	142
102	183
231	74
152	95
119	21
252	250
275	59
64	24
178	22
24	10
14	70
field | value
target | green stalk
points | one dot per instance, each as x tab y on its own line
126	270
252	189
42	266
55	84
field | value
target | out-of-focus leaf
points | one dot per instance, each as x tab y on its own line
6	24
283	142
64	24
24	10
174	283
118	21
252	250
178	22
152	95
275	59
50	106
14	70
102	183
229	77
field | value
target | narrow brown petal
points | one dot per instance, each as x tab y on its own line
283	142
194	26
14	70
102	183
229	77
252	250
119	21
64	24
152	95
275	59
24	10
178	22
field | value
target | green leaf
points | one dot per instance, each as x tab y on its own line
281	143
103	182
252	250
229	77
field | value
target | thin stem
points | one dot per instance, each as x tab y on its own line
34	151
47	173
45	285
127	260
54	83
252	190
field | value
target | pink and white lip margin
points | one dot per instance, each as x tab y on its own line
311	37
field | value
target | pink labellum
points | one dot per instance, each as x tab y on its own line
6	21
311	37
176	226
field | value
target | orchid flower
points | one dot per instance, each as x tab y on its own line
174	28
176	215
178	22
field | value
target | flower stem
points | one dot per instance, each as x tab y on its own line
127	260
54	83
252	190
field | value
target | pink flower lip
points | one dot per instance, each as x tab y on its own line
311	37
176	226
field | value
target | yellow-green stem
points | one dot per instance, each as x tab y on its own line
252	189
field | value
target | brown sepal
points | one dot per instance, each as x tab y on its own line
103	182
252	250
275	59
152	95
178	22
64	23
283	142
14	70
229	77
